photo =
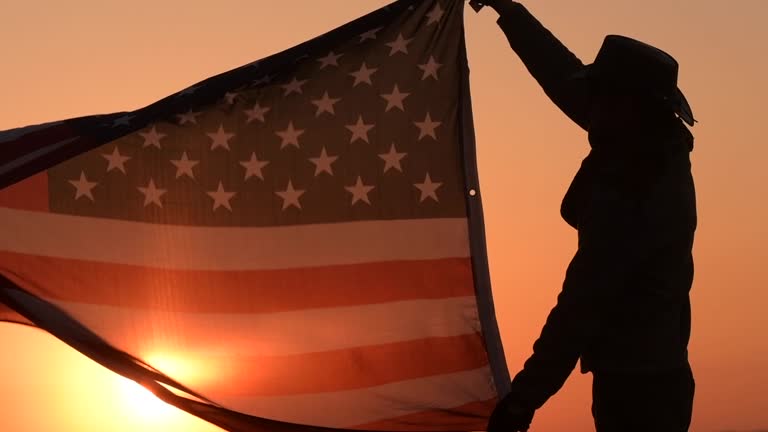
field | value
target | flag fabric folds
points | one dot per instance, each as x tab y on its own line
298	241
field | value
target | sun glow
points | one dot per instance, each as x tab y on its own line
142	404
182	370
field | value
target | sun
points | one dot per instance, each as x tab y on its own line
142	404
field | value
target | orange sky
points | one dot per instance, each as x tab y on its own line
65	59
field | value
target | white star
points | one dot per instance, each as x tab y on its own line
123	121
290	136
428	189
116	160
427	127
399	45
152	138
325	104
152	194
323	163
395	99
435	14
253	167
230	97
330	60
256	113
221	197
359	191
293	87
363	75
359	130
220	138
392	159
184	166
290	196
188	117
370	34
83	186
430	68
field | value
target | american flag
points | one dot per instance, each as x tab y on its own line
299	239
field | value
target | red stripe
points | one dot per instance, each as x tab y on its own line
28	194
341	370
468	417
238	291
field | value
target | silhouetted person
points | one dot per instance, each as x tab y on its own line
624	308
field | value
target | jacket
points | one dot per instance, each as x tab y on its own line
624	304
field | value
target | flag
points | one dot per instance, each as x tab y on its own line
296	243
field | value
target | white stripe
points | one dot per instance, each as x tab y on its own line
357	407
231	248
144	333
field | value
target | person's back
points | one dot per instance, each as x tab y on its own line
624	310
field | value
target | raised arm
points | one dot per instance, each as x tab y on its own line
546	58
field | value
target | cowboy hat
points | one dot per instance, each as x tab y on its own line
628	63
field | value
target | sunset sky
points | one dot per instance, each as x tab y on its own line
80	57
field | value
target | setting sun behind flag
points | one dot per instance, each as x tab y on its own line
304	232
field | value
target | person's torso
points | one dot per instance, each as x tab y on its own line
650	318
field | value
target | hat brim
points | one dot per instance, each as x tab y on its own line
677	102
683	108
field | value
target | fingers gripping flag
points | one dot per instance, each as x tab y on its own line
301	237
